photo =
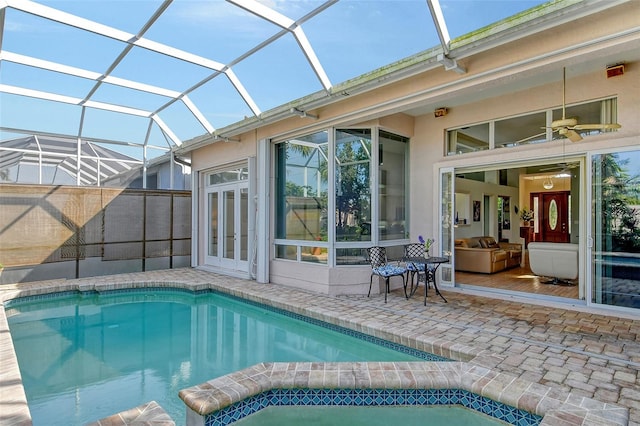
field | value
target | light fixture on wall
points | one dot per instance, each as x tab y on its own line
548	183
615	70
440	112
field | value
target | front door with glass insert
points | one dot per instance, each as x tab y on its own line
227	209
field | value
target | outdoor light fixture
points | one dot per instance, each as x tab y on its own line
302	114
615	70
548	183
440	112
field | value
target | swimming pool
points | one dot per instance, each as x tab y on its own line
87	355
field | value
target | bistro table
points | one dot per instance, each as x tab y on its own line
429	273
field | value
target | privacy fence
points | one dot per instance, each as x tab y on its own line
49	232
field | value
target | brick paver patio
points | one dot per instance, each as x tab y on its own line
591	355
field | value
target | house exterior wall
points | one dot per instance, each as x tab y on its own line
491	89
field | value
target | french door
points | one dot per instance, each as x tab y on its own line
227	234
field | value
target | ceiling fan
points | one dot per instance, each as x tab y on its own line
567	126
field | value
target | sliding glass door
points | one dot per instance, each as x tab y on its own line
615	252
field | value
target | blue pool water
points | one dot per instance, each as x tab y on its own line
86	356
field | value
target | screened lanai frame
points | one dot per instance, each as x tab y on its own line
159	137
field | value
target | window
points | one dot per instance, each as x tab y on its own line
353	195
227	176
392	192
301	189
468	139
528	128
605	111
363	212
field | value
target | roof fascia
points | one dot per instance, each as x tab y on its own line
529	22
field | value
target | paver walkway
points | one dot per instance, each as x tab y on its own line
597	356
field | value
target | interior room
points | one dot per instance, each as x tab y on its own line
511	208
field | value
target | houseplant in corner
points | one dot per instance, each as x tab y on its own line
527	216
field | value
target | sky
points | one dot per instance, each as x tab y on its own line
350	38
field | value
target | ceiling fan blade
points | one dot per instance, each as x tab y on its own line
573	136
596	126
565	122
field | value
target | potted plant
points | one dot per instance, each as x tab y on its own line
527	216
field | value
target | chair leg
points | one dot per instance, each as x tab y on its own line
386	291
405	284
370	284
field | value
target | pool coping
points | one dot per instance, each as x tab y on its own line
577	409
555	407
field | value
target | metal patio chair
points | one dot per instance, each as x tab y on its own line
413	250
380	266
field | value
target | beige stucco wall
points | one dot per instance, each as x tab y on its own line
491	89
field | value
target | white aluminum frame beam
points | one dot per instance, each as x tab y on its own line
443	34
30	132
264	12
136	40
98	77
38	94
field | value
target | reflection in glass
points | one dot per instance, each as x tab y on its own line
301	188
353	195
446	218
229	237
468	139
392	196
213	224
616	229
244	223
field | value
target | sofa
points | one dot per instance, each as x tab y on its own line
558	261
485	255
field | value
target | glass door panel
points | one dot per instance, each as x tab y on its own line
615	254
447	194
244	224
213	224
229	232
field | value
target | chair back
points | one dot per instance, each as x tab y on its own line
414	250
377	256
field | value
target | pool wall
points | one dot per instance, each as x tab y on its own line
222	392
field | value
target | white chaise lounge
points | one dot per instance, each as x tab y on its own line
558	261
